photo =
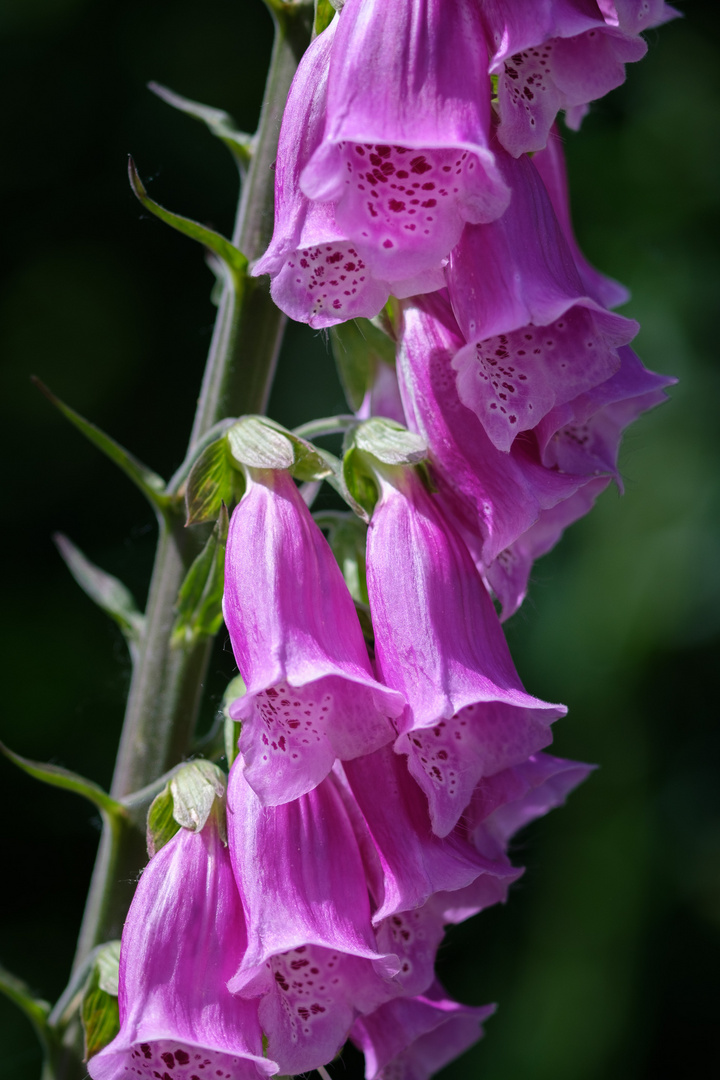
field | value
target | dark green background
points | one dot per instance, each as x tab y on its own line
604	962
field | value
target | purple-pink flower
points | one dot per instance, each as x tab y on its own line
311	694
183	939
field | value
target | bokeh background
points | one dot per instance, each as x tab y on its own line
605	960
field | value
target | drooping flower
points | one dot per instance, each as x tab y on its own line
183	938
311	694
318	275
312	953
535	339
492	495
412	1038
560	54
550	163
438	641
405	154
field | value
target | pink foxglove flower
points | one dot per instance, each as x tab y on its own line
412	1038
405	155
535	339
438	641
318	275
550	163
414	863
583	436
183	939
312	952
560	54
494	496
311	694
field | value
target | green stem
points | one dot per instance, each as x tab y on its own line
167	682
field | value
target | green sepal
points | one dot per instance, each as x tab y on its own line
260	443
161	825
389	442
358	346
194	789
359	483
56	776
107	592
36	1010
347	537
324	15
213	480
234	690
199	604
218	122
233	259
99	1008
150	484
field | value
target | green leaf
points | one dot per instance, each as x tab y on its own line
219	123
347	536
213	480
36	1010
161	825
194	789
99	1009
358	347
310	463
107	592
56	776
361	489
324	14
151	485
199	606
233	259
235	689
389	442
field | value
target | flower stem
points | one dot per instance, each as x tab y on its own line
167	683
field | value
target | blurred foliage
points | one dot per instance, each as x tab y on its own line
604	962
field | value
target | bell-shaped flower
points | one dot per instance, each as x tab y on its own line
312	952
318	276
414	861
493	496
411	1038
183	939
550	163
405	154
311	695
534	338
582	436
559	54
501	805
439	642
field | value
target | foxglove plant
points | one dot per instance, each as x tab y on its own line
382	751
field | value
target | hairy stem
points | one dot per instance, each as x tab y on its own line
166	688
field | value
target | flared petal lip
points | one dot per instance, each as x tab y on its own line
122	1045
414	719
393	701
386	964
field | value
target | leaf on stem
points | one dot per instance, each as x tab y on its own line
107	592
161	825
233	259
213	480
324	15
199	606
36	1010
194	789
56	776
389	442
150	484
99	1010
358	346
218	122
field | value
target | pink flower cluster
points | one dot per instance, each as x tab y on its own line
374	796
